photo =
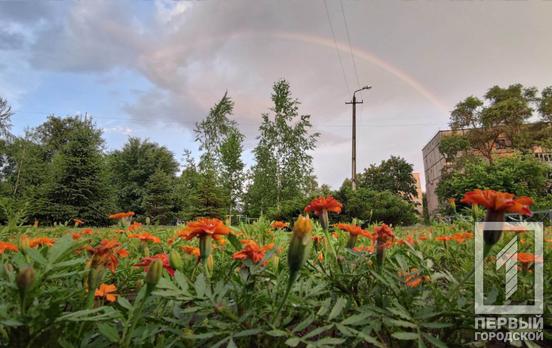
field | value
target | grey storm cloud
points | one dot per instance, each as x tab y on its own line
420	56
10	40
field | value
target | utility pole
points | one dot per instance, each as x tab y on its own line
354	102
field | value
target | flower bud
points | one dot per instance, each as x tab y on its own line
95	276
25	279
176	260
299	246
24	242
154	273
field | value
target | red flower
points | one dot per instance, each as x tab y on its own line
146	237
106	254
134	226
383	234
205	227
252	251
499	201
7	246
318	205
147	261
87	231
528	258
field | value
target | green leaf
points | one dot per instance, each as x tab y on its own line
62	245
109	332
276	333
325	307
304	324
357	319
403	335
124	303
435	341
318	331
249	332
436	325
400	323
330	341
338	308
293	341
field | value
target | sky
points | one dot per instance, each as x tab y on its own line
153	68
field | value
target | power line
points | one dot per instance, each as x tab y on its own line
350	45
336	49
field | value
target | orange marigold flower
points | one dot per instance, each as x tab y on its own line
76	236
364	248
147	261
190	250
78	222
499	201
121	215
317	239
41	241
205	227
252	251
146	237
106	254
134	226
87	231
443	238
7	246
528	258
318	205
353	229
413	278
279	225
106	291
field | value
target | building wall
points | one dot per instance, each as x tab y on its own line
435	163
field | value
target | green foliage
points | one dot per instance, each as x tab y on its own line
520	175
131	170
372	206
451	146
159	200
283	165
393	175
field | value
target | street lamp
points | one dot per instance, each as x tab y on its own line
353	164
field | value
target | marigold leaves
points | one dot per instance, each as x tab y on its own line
123	302
109	332
356	319
234	241
200	286
248	332
404	335
96	314
319	330
338	308
277	333
36	256
293	341
304	324
329	341
436	325
434	341
325	307
400	323
61	248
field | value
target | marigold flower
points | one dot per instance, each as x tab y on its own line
383	236
106	291
252	251
147	261
87	231
121	215
413	278
499	201
214	228
78	222
321	204
279	225
7	246
354	232
106	254
190	250
76	236
443	238
145	237
134	226
41	241
529	258
364	248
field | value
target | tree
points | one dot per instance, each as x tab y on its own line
393	175
5	118
132	168
283	169
77	187
520	175
452	146
221	143
375	207
504	112
159	201
187	189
